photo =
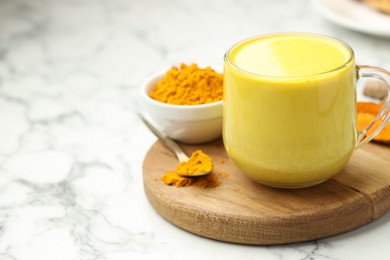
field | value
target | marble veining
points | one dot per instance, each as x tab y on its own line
72	147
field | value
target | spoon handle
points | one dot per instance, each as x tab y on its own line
168	142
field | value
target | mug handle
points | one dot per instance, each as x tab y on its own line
383	117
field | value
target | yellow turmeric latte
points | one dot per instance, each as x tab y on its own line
289	108
189	85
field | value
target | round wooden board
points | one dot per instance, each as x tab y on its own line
243	211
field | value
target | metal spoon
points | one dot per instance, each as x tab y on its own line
172	145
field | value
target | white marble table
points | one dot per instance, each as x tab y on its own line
71	146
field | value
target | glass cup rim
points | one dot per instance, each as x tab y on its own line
234	66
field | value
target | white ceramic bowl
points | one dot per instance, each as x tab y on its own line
184	123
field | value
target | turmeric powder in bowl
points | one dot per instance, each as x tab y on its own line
185	103
189	85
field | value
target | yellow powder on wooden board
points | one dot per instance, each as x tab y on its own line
206	181
199	162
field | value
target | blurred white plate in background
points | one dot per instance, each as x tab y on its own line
355	15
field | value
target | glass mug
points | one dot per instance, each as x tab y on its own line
289	116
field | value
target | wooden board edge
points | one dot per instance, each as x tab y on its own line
248	231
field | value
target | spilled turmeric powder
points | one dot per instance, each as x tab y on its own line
172	178
366	113
186	172
207	181
189	85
